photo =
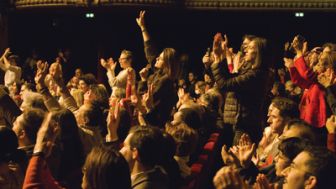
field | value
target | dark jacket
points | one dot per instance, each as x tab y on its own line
244	95
9	111
152	179
164	91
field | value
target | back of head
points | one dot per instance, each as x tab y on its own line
89	79
147	141
291	147
124	124
213	99
301	129
34	100
191	117
94	114
185	137
168	147
322	164
104	169
31	122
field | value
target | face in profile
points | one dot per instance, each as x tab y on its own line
245	44
296	174
124	61
251	52
159	62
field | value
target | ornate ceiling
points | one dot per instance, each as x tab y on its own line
187	4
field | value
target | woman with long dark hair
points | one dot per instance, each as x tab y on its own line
245	90
166	68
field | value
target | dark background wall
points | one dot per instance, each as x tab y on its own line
190	31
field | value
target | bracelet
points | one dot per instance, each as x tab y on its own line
41	154
144	30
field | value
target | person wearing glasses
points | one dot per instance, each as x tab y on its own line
119	82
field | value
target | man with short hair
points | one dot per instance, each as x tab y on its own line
142	151
26	127
301	129
281	111
313	168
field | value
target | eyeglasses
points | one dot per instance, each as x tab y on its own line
120	59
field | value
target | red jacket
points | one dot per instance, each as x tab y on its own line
38	175
313	108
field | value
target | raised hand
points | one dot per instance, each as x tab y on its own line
58	75
237	61
217	46
246	150
207	58
147	98
141	20
288	62
144	73
103	63
305	48
42	71
112	63
7	50
262	183
331	124
298	44
47	135
228	178
229	158
225	43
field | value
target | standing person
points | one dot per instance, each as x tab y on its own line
118	83
244	90
8	65
166	72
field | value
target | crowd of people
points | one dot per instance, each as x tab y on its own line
277	126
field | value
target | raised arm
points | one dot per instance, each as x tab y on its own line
151	51
141	23
38	174
296	78
42	70
68	99
110	66
2	59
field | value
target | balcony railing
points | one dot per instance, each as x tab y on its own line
188	4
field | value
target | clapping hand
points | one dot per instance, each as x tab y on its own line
228	178
42	71
244	151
